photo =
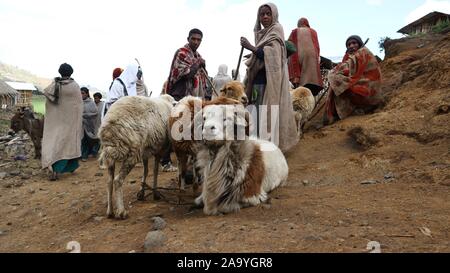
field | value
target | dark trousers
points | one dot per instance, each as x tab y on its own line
89	146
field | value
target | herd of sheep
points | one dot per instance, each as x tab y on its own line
233	173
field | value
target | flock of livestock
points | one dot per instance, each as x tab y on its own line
232	173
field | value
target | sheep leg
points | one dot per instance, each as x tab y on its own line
182	166
196	176
141	193
125	169
156	194
109	211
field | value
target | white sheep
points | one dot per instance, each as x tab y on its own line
236	172
303	103
134	129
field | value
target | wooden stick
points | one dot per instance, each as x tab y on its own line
239	64
209	80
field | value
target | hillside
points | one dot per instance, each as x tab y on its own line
381	177
13	73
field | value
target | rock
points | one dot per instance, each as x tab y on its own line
3	175
132	181
14	173
363	137
389	176
158	223
305	182
266	206
11	184
2	233
153	240
99	174
132	251
369	182
25	177
98	219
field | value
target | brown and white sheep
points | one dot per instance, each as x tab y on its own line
134	129
236	173
183	114
303	103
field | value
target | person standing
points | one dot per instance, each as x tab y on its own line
221	78
187	77
98	121
90	113
63	129
304	65
267	82
187	72
124	85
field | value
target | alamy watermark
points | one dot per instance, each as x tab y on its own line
227	123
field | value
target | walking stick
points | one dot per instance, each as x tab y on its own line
209	81
239	64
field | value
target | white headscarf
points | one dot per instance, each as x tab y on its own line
221	78
129	79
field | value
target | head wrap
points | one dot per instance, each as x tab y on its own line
116	72
303	22
65	70
356	38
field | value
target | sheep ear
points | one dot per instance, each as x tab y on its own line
223	91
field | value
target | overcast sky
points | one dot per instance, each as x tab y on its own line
95	36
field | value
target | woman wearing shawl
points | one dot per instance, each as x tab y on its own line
63	130
354	84
304	66
221	78
267	80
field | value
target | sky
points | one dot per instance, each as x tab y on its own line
95	36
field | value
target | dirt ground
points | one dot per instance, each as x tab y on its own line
381	177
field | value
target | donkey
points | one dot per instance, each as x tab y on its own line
25	120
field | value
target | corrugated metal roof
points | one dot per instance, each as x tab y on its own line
5	89
22	86
429	16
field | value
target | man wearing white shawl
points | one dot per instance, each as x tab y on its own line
267	81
